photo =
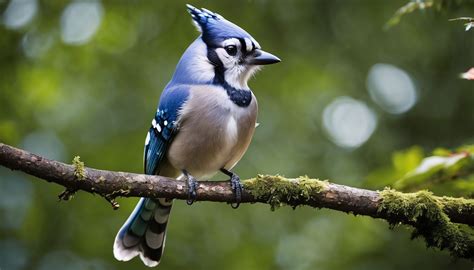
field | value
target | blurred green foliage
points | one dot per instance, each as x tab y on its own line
421	5
95	97
445	172
448	175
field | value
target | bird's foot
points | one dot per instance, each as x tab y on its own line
236	186
192	188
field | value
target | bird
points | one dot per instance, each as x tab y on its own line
204	123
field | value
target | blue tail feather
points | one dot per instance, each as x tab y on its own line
144	232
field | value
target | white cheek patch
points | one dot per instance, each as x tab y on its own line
227	61
237	74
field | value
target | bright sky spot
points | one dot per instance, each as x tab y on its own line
349	122
16	194
35	44
13	255
19	13
80	21
391	88
44	143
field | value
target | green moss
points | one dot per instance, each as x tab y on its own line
460	205
425	212
277	190
79	169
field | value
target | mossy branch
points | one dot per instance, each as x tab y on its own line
427	215
442	221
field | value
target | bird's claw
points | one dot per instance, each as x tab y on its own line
237	189
192	189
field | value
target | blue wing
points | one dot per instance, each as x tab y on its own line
164	127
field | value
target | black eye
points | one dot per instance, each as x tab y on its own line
231	50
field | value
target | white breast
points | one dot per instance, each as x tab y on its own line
231	129
213	132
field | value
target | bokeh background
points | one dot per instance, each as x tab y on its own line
84	78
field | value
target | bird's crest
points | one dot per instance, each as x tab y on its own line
214	27
202	16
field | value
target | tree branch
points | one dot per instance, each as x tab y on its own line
432	217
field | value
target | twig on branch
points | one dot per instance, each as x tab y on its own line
432	217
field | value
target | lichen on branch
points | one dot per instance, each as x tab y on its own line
443	221
79	171
277	190
426	213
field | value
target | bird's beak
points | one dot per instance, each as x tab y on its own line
260	57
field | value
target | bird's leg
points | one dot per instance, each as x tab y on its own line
236	186
192	187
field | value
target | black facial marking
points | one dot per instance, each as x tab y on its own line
240	97
243	46
213	57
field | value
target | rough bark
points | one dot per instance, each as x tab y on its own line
111	184
439	220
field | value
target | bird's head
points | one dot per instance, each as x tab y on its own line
224	53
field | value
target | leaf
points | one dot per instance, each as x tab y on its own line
469	24
407	9
445	173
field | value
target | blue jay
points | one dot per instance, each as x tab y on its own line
204	123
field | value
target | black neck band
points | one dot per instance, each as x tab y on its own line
240	97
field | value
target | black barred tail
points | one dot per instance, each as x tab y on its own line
144	232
